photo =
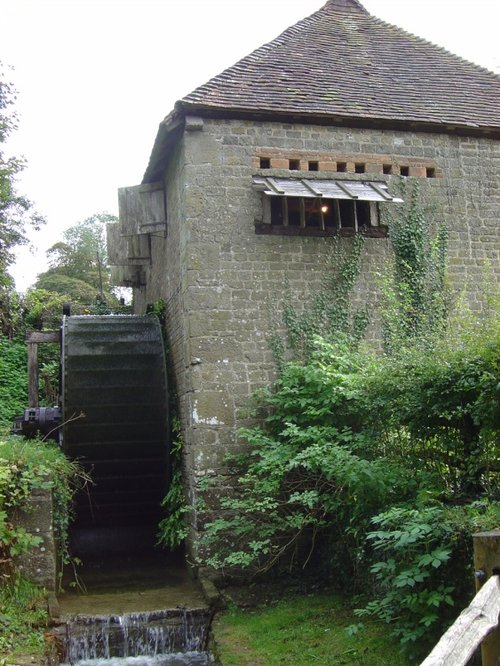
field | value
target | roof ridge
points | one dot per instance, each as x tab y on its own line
348	5
440	47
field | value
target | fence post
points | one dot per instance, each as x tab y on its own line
487	564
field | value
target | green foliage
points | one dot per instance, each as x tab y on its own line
330	313
13	378
42	308
23	617
79	266
442	406
352	440
419	574
24	466
172	530
16	215
69	289
377	468
311	469
416	296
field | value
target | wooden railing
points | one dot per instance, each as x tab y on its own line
478	624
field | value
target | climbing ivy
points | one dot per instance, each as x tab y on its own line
416	297
330	312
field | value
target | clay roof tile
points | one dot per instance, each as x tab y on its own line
343	62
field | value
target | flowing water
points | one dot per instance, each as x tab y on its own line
117	621
161	637
177	659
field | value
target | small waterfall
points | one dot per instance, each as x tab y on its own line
152	638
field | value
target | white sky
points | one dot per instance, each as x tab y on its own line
95	78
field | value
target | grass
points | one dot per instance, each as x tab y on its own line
308	629
23	619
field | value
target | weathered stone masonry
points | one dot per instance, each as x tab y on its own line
220	280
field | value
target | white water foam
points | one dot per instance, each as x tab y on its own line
177	659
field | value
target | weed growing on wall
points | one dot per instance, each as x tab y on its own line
172	529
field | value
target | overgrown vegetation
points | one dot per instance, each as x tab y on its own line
26	465
376	467
22	619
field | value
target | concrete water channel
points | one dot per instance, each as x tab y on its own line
140	611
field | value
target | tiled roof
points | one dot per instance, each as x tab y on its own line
341	62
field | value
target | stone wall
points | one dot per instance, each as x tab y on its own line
222	282
40	563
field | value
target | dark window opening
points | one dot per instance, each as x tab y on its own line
387	169
430	172
313	166
321	214
341	167
294	165
346	210
293	212
264	163
277	211
363	214
404	170
360	167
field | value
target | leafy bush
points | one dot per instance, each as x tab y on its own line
353	441
24	466
421	555
376	467
13	378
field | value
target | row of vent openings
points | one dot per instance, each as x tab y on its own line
359	167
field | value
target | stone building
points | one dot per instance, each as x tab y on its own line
252	173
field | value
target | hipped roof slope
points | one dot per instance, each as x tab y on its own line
342	64
342	61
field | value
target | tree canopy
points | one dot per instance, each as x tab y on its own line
79	262
17	216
